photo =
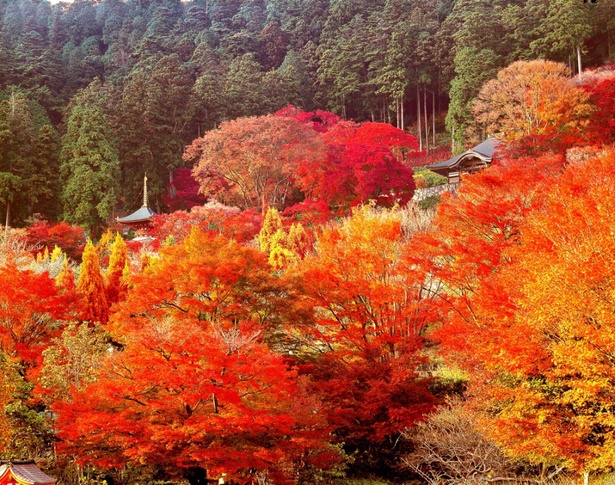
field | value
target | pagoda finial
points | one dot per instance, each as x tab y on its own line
145	190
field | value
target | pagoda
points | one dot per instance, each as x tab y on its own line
141	218
23	472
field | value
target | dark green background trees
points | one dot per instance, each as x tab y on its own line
172	70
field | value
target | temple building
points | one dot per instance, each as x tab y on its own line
141	218
23	472
471	161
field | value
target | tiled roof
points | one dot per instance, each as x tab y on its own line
484	150
27	472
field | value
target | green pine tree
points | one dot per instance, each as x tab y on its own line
89	168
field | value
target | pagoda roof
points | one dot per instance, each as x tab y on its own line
144	214
25	472
484	151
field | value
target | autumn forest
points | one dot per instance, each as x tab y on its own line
309	304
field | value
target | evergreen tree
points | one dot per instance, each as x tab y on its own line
117	264
89	167
91	287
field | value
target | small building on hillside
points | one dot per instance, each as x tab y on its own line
471	161
141	218
23	472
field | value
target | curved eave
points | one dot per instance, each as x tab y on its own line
484	152
26	474
144	214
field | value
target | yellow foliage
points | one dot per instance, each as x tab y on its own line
56	253
298	241
280	257
92	286
66	277
271	225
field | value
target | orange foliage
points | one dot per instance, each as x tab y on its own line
196	383
531	98
369	313
30	308
117	263
525	262
91	287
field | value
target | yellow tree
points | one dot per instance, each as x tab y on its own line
117	264
271	225
91	287
66	277
298	240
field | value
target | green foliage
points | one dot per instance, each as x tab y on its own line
31	433
28	159
429	202
428	178
89	167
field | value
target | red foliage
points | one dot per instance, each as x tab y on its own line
354	173
183	192
360	166
215	218
310	212
71	239
30	307
196	383
420	159
601	129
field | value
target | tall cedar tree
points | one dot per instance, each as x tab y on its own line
89	168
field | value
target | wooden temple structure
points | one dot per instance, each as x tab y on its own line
141	218
23	472
471	161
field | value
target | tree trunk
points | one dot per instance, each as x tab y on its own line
586	478
8	216
418	117
196	475
433	116
426	119
579	59
403	127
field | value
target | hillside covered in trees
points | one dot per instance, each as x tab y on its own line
293	316
140	80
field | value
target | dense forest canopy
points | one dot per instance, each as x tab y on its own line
157	74
303	320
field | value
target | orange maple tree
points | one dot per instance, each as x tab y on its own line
197	383
369	312
525	267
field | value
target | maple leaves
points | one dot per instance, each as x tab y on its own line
197	381
249	162
523	257
369	313
532	98
269	160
